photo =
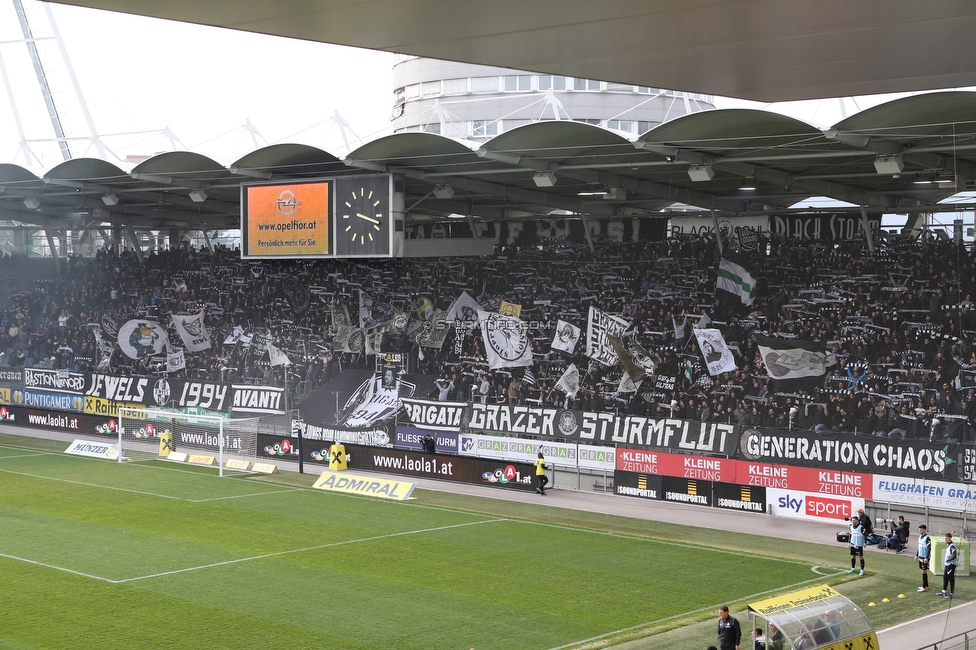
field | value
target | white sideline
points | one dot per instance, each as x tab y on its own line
241	496
52	566
254	557
94	485
710	608
142	492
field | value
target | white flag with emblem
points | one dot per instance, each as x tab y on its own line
175	361
278	358
566	337
193	332
718	357
569	383
506	339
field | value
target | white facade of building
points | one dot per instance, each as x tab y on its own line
476	102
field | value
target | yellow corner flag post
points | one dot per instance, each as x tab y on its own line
337	457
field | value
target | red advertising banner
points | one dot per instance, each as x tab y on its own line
742	472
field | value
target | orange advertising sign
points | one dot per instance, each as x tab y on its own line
287	220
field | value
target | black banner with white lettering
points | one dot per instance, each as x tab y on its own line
60	381
608	428
258	400
829	227
436	416
864	454
153	392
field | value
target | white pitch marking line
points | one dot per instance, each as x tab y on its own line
307	548
151	494
25	455
658	540
241	496
53	566
579	643
94	485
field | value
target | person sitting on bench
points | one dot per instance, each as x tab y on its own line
898	536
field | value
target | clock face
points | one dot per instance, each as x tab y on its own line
363	216
505	337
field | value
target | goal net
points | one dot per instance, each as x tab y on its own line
207	440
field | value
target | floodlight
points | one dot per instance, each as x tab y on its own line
889	164
700	173
544	179
443	191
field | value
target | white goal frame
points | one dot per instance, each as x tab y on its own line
141	431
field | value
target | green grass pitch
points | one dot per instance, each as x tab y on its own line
96	554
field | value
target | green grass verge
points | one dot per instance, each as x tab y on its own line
106	555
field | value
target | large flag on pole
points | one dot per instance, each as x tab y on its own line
733	277
793	364
637	362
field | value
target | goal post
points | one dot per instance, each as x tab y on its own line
154	434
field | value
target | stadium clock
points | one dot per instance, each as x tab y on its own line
363	216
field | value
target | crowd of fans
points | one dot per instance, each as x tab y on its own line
900	320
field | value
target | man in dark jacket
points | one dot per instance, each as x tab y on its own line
729	632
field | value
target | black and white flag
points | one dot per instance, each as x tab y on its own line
682	330
718	357
569	383
192	331
506	339
566	337
637	362
598	327
175	361
793	364
464	309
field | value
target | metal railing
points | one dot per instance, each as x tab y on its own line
964	641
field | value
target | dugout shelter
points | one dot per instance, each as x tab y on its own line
818	617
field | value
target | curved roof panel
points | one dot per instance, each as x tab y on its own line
930	114
181	164
10	173
413	149
291	159
731	129
85	169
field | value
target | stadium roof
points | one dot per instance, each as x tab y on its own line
764	50
903	156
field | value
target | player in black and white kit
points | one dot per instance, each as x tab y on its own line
949	560
857	543
923	555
